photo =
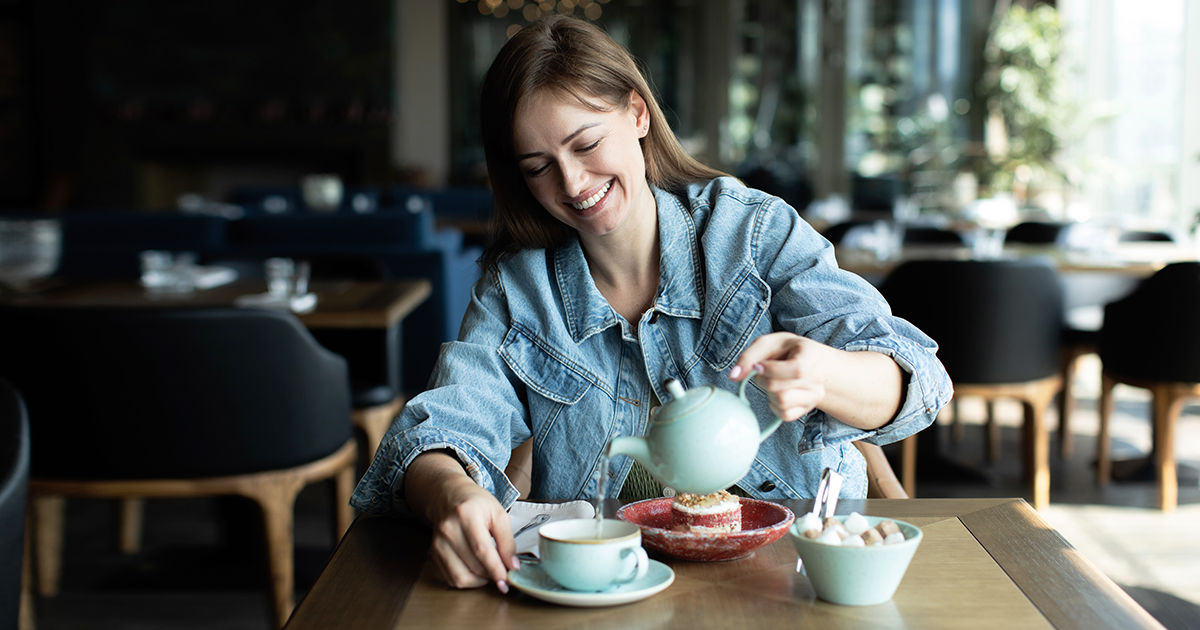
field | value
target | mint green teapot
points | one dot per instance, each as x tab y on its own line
703	440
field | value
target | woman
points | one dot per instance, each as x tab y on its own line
620	262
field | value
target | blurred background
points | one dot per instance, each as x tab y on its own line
1075	110
285	122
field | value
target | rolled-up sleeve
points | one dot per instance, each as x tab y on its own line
473	409
812	297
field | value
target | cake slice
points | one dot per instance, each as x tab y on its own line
719	512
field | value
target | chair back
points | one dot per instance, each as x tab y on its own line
14	484
1154	332
172	393
926	235
1037	233
995	321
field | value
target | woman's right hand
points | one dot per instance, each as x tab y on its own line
472	536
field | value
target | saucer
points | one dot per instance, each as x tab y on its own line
532	579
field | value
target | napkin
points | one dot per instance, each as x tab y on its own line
212	277
523	511
296	303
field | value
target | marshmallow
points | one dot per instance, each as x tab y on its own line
871	537
853	540
829	537
893	538
856	523
887	528
810	525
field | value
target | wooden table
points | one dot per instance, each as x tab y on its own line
340	303
983	563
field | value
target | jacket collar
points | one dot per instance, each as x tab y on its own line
680	284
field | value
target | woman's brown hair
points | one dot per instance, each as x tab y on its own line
579	59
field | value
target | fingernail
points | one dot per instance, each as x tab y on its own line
514	563
735	372
758	367
502	586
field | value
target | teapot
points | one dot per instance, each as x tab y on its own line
702	441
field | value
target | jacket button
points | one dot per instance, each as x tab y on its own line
767	486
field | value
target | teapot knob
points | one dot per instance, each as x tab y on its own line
674	387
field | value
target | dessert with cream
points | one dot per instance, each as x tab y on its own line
719	512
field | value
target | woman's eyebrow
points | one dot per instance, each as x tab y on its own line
569	138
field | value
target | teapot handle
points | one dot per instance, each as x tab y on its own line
775	424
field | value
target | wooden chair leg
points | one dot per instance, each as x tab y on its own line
956	424
48	542
25	614
129	525
1168	404
277	500
343	487
908	465
1103	456
1037	442
991	434
1066	403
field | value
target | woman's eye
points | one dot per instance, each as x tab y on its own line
538	170
590	147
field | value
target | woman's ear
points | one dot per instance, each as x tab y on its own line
641	113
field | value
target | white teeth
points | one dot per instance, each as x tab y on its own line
591	201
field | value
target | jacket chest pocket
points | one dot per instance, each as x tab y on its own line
739	316
547	372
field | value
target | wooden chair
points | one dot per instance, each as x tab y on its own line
1151	339
144	403
998	325
881	479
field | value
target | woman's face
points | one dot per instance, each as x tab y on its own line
584	166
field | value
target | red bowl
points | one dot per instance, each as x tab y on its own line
763	523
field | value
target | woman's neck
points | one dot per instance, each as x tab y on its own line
625	264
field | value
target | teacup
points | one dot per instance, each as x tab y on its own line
581	555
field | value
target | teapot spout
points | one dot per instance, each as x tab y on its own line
634	447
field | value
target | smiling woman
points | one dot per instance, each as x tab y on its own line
618	263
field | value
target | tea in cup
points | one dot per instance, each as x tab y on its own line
585	554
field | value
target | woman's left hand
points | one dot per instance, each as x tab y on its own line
791	369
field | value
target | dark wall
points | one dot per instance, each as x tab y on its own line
99	93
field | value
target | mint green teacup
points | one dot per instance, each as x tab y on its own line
575	557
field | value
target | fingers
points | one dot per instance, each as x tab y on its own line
762	350
788	369
473	544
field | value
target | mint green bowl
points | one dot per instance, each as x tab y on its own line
856	576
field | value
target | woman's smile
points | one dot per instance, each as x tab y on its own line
594	200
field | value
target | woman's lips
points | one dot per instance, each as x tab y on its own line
592	201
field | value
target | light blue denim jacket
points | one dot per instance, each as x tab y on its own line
542	354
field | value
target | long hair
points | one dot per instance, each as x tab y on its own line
575	58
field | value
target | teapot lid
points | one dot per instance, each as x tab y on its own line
683	401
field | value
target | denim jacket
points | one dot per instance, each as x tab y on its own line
541	354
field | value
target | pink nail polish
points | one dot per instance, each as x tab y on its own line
502	586
758	367
735	372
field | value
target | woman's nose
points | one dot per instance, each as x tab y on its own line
573	181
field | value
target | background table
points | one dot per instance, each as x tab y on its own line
983	563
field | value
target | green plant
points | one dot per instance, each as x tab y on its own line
1020	86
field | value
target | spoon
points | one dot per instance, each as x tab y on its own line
537	520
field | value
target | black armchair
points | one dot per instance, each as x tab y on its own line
14	483
1151	339
132	403
997	324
